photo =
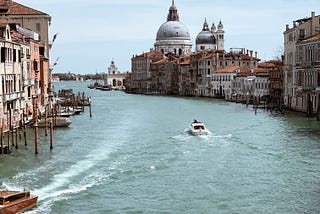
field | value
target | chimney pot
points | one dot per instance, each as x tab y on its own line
287	27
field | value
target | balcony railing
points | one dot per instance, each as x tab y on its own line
12	96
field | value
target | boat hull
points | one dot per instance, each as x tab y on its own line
196	132
57	122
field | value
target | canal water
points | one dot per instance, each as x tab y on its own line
135	155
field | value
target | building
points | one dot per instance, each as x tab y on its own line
308	75
38	22
173	36
210	80
301	64
141	74
18	80
222	81
30	59
115	79
276	74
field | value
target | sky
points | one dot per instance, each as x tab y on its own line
92	33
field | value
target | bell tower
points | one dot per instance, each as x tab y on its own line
220	36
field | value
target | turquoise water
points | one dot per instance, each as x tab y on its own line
135	155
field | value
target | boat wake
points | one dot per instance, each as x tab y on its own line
76	179
186	136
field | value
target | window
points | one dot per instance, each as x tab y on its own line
290	38
302	34
38	27
35	65
14	55
3	54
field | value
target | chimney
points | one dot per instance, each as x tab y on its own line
294	24
287	27
313	14
256	54
251	52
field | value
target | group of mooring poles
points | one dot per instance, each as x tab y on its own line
36	128
13	135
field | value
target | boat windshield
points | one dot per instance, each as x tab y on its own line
7	199
199	127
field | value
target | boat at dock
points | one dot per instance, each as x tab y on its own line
16	201
57	122
198	128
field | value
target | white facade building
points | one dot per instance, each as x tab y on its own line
222	81
115	79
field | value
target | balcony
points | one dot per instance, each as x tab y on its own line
306	88
12	96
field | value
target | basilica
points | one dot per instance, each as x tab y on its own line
174	37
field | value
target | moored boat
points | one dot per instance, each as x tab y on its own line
16	201
198	128
57	122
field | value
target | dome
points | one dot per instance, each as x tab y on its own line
205	37
173	29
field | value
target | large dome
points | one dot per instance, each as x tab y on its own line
173	29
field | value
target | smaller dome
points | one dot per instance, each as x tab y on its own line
205	36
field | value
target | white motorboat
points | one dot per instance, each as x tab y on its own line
198	128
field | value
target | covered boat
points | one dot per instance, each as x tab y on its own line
57	122
16	201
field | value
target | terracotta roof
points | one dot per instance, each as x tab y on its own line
234	69
165	60
185	61
266	65
19	9
150	54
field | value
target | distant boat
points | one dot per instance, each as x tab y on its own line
198	128
57	122
16	201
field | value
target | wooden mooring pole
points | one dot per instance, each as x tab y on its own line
2	150
318	110
90	107
16	134
36	134
51	134
25	134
